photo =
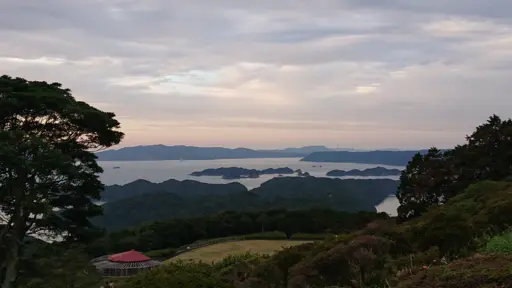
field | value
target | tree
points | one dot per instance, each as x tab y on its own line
488	152
57	266
434	178
48	171
426	181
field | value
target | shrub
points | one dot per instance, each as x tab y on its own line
161	254
483	270
190	275
307	236
271	235
500	244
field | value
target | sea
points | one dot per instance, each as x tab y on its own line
159	171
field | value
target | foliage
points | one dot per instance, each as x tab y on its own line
481	270
184	199
500	244
191	275
161	254
48	174
45	265
175	233
271	235
432	179
310	236
455	226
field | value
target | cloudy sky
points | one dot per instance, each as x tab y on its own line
272	73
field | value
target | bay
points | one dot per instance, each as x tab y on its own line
159	171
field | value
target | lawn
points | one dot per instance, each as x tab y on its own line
219	251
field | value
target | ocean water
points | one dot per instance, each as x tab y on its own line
158	171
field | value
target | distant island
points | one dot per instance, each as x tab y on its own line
394	158
237	172
163	152
377	171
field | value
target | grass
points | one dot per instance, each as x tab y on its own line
220	251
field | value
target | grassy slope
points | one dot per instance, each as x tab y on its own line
220	251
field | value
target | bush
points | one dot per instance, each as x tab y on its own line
484	270
500	244
161	254
190	275
306	236
271	235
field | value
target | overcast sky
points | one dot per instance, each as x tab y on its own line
272	73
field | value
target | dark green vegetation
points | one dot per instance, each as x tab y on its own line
174	233
187	188
394	158
486	155
45	165
377	171
162	152
168	199
236	172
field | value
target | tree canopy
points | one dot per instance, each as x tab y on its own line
433	178
48	170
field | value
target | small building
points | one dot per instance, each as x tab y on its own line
124	264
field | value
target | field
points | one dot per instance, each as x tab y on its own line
219	251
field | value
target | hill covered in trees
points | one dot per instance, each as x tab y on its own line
156	201
189	188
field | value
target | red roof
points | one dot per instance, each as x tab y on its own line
129	256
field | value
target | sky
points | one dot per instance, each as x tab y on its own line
272	74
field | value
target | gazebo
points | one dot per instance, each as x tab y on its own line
124	264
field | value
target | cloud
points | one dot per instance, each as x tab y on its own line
363	73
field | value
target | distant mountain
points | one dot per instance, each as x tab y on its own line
377	171
162	152
395	158
306	149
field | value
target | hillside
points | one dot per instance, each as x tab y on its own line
152	201
393	158
162	152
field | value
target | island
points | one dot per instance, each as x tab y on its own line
377	171
237	172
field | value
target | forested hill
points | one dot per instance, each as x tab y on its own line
394	158
185	187
152	201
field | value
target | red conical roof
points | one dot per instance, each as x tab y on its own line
129	256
